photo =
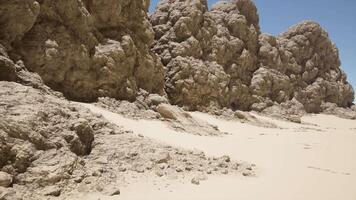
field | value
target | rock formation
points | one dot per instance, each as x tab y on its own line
207	59
84	49
41	136
210	55
304	64
111	52
219	58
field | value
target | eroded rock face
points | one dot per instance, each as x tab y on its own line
219	58
301	63
207	59
16	18
41	136
210	55
334	109
85	49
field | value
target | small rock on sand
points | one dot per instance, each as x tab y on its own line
52	191
167	111
295	119
115	192
195	181
197	178
240	115
5	179
247	173
226	158
163	157
159	173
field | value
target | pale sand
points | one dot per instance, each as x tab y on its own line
312	161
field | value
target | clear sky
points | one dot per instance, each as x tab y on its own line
338	17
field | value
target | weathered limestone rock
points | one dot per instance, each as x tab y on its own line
16	18
219	58
84	49
182	121
210	55
167	111
310	65
10	71
211	59
353	108
334	109
5	179
40	132
291	110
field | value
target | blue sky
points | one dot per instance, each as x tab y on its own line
337	17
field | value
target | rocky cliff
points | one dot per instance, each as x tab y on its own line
219	58
206	58
83	48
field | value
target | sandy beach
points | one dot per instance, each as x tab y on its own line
312	160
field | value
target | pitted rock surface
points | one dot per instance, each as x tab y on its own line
219	58
84	49
210	56
301	63
33	124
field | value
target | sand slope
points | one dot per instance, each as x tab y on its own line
314	160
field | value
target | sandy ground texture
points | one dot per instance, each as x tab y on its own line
313	160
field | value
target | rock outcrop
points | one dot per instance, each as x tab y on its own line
42	139
207	59
219	58
17	72
210	55
35	126
84	49
304	64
